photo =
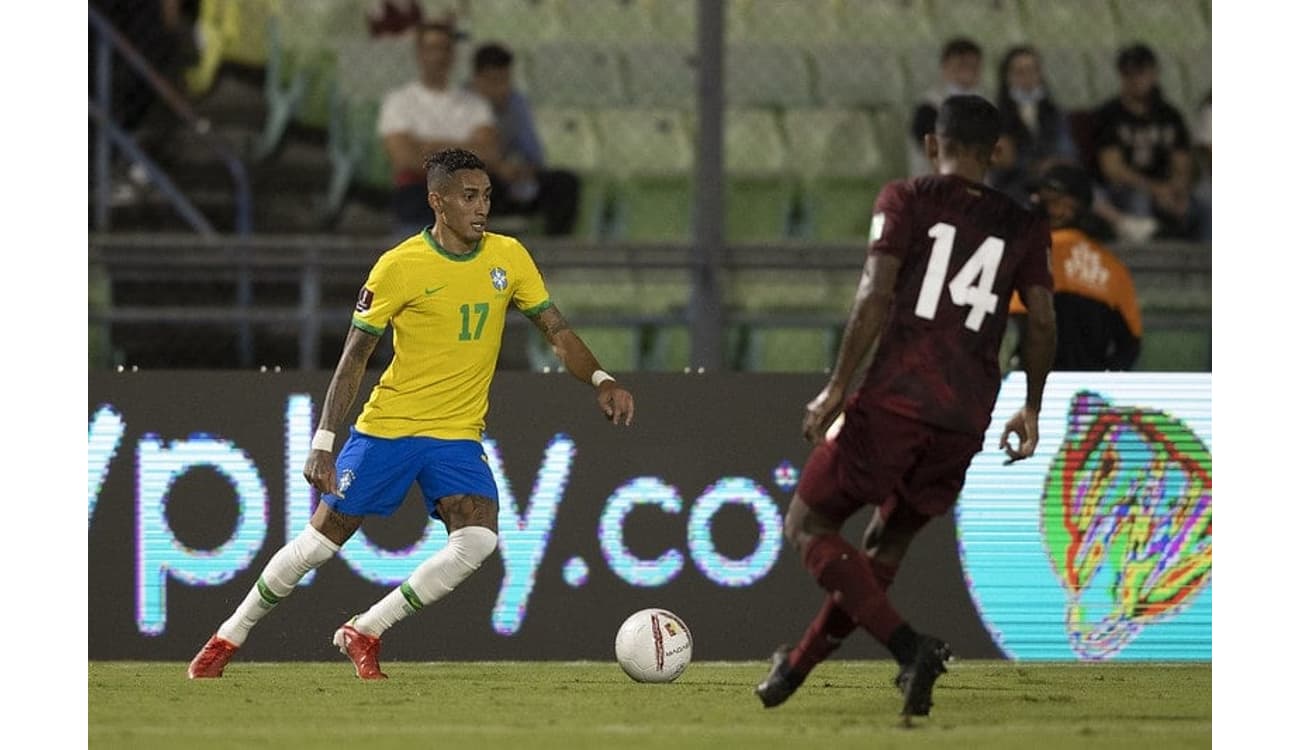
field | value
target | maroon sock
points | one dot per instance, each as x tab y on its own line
885	573
824	634
847	575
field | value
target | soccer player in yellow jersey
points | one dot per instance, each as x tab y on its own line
445	291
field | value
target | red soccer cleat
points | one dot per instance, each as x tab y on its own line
362	649
212	658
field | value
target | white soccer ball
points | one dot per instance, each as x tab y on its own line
653	645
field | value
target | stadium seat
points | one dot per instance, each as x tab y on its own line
650	155
994	24
367	69
569	139
760	189
854	75
841	166
232	31
617	347
1172	25
763	75
790	348
1070	24
805	24
1175	351
660	75
519	24
1197	79
591	293
1068	77
607	21
301	65
893	133
771	290
582	75
894	24
675	20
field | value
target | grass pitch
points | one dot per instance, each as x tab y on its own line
593	705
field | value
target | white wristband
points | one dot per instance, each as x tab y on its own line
600	376
323	440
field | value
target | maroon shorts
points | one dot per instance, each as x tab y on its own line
910	470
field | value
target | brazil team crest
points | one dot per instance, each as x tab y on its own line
498	275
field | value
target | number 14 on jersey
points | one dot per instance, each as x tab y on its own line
972	286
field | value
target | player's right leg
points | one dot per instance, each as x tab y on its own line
309	550
374	474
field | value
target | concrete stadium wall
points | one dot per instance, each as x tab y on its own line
1097	548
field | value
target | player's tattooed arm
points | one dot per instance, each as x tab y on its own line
347	378
613	399
320	468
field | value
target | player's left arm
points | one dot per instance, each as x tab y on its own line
870	308
614	400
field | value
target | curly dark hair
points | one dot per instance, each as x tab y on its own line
440	165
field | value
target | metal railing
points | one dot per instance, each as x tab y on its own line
310	265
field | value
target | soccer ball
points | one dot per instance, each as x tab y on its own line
653	645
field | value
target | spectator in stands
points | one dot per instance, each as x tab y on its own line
961	69
430	114
1098	319
1144	159
522	184
1036	132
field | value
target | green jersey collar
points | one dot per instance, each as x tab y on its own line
428	237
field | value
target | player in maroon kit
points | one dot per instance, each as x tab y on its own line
946	252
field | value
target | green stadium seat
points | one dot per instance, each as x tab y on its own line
618	347
790	348
894	24
841	165
760	189
675	20
582	75
1172	25
1197	79
764	75
607	21
1070	24
1175	351
773	290
650	156
660	75
519	24
854	75
804	23
1068	77
994	24
583	291
569	138
893	133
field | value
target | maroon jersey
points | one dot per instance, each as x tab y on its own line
964	247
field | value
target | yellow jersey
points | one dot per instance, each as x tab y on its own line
447	312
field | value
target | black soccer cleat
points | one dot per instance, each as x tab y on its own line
916	679
781	682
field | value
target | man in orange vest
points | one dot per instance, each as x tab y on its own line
1098	321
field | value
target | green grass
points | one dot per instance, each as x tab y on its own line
515	705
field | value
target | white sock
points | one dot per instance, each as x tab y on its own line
307	551
436	577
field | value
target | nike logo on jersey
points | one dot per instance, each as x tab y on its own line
434	290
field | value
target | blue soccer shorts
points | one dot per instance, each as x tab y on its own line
375	473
